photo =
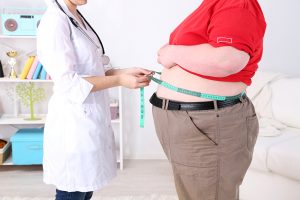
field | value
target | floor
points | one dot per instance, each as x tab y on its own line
139	177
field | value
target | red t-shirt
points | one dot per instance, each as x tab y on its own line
236	23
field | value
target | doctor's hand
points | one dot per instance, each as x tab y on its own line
133	81
164	56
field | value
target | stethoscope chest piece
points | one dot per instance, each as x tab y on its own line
105	59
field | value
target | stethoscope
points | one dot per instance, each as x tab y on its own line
76	24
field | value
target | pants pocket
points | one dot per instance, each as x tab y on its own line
190	145
252	132
195	125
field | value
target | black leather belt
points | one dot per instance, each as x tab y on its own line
207	105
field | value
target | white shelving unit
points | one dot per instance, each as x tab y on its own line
118	124
18	119
16	37
17	80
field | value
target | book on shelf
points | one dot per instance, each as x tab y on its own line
37	71
33	68
48	77
43	75
27	67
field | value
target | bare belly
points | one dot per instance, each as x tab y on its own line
180	78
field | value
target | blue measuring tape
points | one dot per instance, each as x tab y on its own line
180	90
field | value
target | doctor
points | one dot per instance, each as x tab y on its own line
79	151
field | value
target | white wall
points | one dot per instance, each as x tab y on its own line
282	41
133	30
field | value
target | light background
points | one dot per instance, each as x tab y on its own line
132	32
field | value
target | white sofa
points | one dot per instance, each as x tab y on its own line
274	173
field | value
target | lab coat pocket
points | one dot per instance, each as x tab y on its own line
79	128
80	110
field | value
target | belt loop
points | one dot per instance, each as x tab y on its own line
163	104
166	103
215	105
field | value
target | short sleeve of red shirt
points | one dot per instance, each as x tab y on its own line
235	27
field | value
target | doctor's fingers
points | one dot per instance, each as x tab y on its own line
140	85
143	79
131	81
142	71
143	84
139	71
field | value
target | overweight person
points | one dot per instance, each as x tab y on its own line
209	142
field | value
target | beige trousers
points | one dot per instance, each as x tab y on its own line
210	150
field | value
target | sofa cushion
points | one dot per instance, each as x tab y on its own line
284	158
284	98
278	154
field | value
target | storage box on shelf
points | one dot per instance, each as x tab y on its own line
27	146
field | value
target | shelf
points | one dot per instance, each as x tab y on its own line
17	37
8	119
8	161
17	80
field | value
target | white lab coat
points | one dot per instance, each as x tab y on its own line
79	146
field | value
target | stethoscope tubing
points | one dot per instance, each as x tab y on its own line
76	24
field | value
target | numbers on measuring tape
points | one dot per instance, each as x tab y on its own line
142	108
